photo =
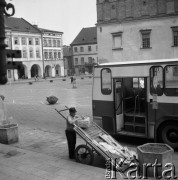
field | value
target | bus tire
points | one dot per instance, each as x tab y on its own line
168	134
84	154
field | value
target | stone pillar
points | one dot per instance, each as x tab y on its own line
3	64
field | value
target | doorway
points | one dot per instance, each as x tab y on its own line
130	105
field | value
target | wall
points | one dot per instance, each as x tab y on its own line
161	40
121	10
131	16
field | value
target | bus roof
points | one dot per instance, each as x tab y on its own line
143	62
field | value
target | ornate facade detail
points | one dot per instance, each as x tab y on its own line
124	10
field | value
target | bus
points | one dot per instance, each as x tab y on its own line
137	98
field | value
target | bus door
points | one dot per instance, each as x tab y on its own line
118	98
134	106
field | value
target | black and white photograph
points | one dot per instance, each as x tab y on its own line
88	89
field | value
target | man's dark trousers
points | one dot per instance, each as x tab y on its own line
71	139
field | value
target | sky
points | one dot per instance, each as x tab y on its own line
67	16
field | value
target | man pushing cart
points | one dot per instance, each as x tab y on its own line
97	140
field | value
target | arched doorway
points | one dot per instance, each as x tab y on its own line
35	70
48	71
58	70
22	71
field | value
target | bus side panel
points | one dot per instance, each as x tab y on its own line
164	111
103	114
103	108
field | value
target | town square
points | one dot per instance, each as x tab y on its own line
88	89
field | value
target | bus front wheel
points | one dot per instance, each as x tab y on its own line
168	134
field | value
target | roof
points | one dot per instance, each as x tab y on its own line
19	24
86	36
47	30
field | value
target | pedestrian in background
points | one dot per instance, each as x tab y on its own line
71	78
36	77
74	82
70	133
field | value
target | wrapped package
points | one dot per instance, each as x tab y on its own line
84	122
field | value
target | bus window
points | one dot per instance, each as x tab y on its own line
156	80
171	80
138	83
106	83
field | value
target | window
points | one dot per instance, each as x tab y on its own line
156	80
24	53
75	49
96	48
50	55
30	41
145	38
82	60
76	61
54	43
117	40
55	55
46	55
24	42
175	36
45	42
90	60
58	43
31	53
81	49
138	83
89	48
106	82
37	42
59	55
50	43
171	80
16	40
38	53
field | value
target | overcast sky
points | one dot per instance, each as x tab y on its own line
67	16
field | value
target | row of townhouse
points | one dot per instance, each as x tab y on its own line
41	49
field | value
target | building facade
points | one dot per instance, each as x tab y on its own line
21	35
84	51
129	30
68	63
52	53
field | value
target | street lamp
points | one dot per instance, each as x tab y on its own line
4	7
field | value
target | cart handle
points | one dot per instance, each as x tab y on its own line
61	113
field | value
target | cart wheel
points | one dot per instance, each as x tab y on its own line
84	154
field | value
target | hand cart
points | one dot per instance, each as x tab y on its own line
95	137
